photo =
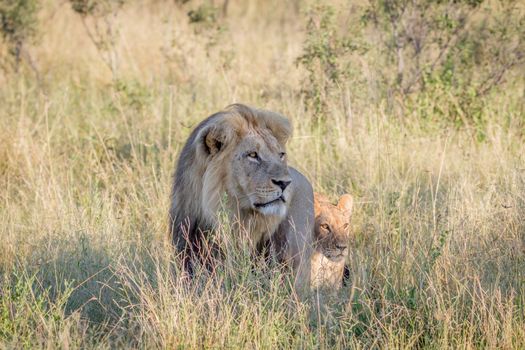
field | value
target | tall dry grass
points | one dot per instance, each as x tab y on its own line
86	159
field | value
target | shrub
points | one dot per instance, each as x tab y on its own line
102	28
325	58
448	54
18	24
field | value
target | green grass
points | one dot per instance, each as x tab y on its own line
437	256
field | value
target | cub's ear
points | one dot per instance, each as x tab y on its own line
346	204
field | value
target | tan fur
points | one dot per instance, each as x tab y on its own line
331	235
216	171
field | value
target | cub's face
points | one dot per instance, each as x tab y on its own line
332	226
260	177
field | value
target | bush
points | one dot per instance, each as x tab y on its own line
18	24
102	30
453	53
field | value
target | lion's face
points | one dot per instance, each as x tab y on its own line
243	154
332	229
260	176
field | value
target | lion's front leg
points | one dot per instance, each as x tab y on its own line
298	228
299	251
292	244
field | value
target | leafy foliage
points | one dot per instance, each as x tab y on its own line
102	28
96	7
453	53
18	24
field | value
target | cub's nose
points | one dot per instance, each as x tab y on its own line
282	183
341	246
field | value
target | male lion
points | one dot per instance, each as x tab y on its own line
239	155
331	234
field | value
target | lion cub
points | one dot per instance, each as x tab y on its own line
331	234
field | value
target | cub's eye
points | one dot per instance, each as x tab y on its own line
345	226
282	155
325	227
253	155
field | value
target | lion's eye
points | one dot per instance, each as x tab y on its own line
253	155
282	155
345	226
325	227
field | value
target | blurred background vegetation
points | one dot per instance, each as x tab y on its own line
439	60
416	107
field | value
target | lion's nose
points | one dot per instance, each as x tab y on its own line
282	184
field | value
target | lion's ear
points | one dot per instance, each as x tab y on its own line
213	142
212	139
280	127
346	204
